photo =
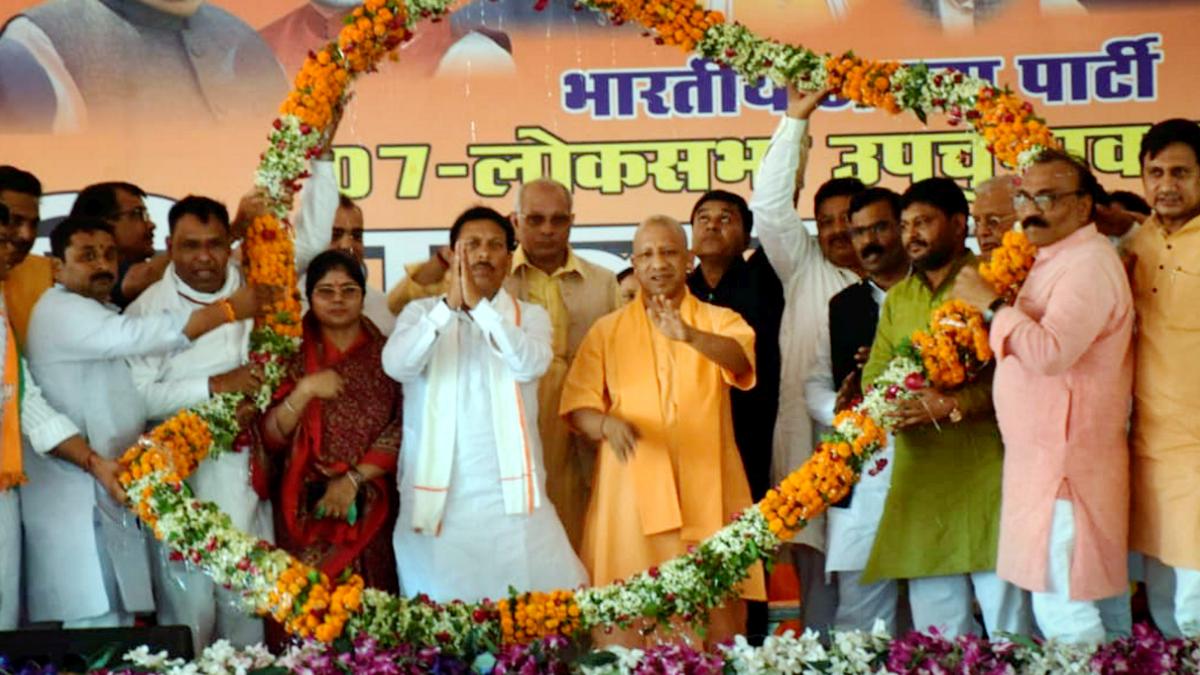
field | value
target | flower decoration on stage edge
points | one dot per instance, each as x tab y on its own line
1010	264
839	653
308	603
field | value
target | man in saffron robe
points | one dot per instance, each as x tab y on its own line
651	383
1064	379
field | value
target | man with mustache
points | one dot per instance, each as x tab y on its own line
474	520
1164	263
202	274
1062	391
25	412
548	272
993	213
86	558
651	385
812	270
940	521
123	205
28	275
835	382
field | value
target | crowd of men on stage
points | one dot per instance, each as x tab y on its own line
510	415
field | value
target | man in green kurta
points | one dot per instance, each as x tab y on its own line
941	521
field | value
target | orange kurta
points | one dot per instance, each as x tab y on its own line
25	285
1166	429
685	480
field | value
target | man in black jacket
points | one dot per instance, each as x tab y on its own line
834	385
721	225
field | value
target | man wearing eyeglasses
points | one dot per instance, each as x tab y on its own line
1063	385
833	384
575	292
123	206
993	213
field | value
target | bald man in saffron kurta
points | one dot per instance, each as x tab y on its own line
684	480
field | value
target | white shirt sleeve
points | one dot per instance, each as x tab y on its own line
165	397
785	240
93	332
525	348
820	391
410	346
45	427
318	207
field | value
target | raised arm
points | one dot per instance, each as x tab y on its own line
318	208
781	231
411	343
421	280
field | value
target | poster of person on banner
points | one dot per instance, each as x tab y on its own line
175	95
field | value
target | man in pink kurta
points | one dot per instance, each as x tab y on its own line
1062	392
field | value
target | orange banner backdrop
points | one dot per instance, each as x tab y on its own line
96	90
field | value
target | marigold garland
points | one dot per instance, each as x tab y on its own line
863	81
527	617
273	264
308	604
299	597
1009	265
955	346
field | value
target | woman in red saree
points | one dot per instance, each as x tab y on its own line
339	422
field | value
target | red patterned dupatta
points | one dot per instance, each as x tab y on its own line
361	426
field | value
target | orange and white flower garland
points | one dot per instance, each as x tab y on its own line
1010	264
309	604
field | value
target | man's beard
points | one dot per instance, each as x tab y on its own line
936	259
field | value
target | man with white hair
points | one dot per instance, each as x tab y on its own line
993	212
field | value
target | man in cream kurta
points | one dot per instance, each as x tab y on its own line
1062	388
473	520
546	271
651	384
1164	261
810	279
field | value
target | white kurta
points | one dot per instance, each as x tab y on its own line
481	550
851	530
78	542
809	281
172	382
